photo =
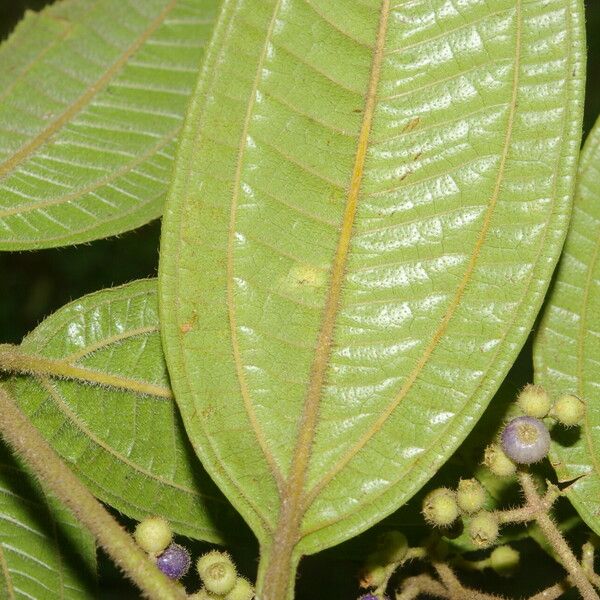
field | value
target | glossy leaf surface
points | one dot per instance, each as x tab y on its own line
567	350
368	203
127	445
92	95
43	551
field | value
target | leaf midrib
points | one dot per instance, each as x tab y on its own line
308	423
286	535
16	361
438	334
26	150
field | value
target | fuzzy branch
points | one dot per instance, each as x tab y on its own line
28	443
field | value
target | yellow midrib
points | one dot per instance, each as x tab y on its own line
454	304
15	361
277	580
102	181
308	422
86	97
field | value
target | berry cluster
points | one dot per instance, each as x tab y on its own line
154	535
442	507
220	579
216	569
535	401
523	441
526	440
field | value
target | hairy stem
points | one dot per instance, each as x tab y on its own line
556	540
470	565
29	444
552	592
455	589
587	561
529	511
412	587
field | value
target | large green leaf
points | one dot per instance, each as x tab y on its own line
92	94
567	349
127	444
368	202
44	553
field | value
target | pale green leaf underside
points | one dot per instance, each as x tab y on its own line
43	552
368	203
129	449
567	349
92	95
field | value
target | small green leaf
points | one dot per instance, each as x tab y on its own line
126	444
92	95
44	553
567	349
367	206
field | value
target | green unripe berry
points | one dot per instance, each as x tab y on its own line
568	410
483	529
242	590
153	535
504	560
497	462
392	547
217	572
534	401
440	508
470	495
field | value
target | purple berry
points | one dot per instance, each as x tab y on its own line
525	440
174	562
371	597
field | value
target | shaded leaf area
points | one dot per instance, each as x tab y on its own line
92	94
567	349
127	444
44	553
352	262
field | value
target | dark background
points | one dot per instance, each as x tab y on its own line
34	284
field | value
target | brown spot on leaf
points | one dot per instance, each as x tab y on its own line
412	124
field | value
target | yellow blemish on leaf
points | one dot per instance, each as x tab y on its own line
303	276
